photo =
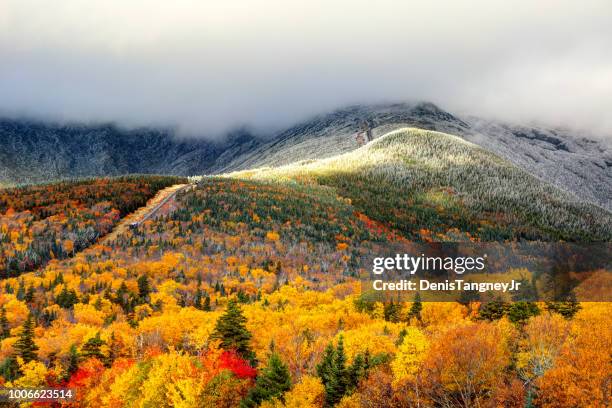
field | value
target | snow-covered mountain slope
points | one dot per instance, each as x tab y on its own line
34	152
572	162
568	160
412	179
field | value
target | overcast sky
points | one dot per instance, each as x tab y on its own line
206	66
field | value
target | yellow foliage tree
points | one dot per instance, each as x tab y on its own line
410	355
308	393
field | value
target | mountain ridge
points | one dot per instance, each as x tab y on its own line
37	151
413	179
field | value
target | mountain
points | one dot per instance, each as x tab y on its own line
278	257
424	183
573	162
35	152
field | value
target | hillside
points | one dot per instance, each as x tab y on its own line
572	162
55	221
34	152
258	269
414	180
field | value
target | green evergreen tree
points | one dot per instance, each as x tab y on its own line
206	306
91	349
9	369
197	299
73	362
417	306
231	330
391	312
272	382
325	368
494	310
29	296
122	295
520	312
566	308
144	289
25	346
356	372
526	292
67	298
114	350
59	279
340	377
21	290
242	297
5	330
400	337
334	374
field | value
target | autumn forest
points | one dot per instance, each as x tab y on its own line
243	291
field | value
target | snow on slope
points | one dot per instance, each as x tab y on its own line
572	162
35	152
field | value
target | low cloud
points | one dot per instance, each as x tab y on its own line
207	67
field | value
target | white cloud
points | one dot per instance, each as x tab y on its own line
207	66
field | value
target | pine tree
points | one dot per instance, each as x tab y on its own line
392	312
25	346
5	330
527	291
144	288
9	368
333	373
67	298
59	279
242	297
520	312
468	296
340	377
494	310
400	337
91	349
272	382
73	362
29	296
122	295
417	306
114	350
21	290
206	306
197	299
325	367
358	370
567	308
231	330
